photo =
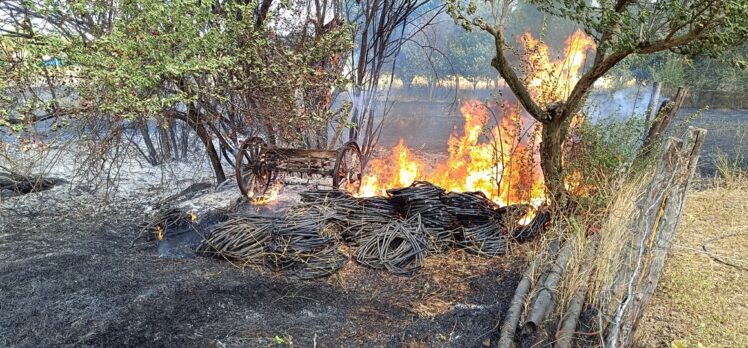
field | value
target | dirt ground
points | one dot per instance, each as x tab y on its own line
68	277
700	300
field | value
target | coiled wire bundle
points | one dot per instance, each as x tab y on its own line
529	231
400	247
367	216
394	233
424	200
305	244
483	238
241	238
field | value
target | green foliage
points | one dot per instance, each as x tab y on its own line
596	152
154	56
719	25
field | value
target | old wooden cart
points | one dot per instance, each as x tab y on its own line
257	165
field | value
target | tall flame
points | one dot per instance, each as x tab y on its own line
553	80
501	162
503	167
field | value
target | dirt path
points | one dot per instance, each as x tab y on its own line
70	279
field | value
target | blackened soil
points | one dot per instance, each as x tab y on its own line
72	280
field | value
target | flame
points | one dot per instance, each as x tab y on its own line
553	80
398	170
269	196
159	232
527	219
193	216
503	166
501	162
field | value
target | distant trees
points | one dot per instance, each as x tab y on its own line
621	29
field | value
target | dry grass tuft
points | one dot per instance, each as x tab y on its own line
614	239
700	300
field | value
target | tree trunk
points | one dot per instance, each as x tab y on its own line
173	139
152	155
185	138
550	161
215	161
194	120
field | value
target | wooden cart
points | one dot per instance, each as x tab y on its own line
258	164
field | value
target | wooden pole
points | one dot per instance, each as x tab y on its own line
654	227
665	115
653	101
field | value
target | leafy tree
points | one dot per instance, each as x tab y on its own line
222	68
471	56
620	28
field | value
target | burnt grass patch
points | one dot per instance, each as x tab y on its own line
74	280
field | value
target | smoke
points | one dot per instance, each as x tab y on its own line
618	105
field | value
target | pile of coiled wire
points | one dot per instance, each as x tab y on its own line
423	200
399	247
395	232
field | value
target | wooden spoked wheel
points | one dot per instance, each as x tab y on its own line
253	174
347	173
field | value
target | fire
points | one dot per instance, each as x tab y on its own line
501	162
503	167
159	232
268	197
398	170
553	80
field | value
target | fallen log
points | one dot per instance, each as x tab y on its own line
565	333
23	184
543	302
511	319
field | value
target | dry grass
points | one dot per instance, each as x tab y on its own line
699	300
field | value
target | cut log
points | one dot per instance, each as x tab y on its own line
23	184
511	319
543	302
565	333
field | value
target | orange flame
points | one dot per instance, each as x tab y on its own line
269	196
159	232
398	170
505	165
553	80
503	168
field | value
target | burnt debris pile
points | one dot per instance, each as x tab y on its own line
397	232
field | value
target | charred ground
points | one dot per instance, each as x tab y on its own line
70	278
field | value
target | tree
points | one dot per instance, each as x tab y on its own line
425	56
470	55
620	28
381	29
222	68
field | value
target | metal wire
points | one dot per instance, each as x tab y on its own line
400	247
395	232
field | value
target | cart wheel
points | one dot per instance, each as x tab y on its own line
347	172
253	174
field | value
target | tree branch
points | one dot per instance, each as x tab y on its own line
501	64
